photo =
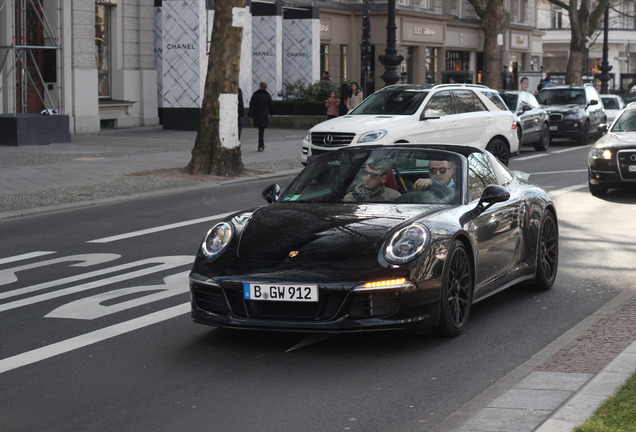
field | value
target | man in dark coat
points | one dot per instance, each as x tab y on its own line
261	109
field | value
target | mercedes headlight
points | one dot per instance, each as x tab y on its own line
217	239
407	244
373	135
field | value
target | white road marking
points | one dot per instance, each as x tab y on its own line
81	341
523	158
85	260
158	229
566	189
571	149
161	264
24	256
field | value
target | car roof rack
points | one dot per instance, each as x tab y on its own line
462	85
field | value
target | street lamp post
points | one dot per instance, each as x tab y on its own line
366	46
605	67
391	59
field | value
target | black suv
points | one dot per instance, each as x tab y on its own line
575	112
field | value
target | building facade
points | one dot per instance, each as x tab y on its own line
554	22
124	63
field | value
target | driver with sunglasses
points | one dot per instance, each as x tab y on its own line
374	175
440	177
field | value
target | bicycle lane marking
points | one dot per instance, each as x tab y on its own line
93	337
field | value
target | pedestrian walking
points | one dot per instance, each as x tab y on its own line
332	105
344	94
355	97
261	109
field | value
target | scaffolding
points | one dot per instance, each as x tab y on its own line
32	39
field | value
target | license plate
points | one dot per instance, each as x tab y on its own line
632	168
269	292
553	128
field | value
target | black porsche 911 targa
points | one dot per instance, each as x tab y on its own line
377	238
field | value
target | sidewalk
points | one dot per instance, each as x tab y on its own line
555	390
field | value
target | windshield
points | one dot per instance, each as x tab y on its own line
420	176
511	100
395	102
626	122
564	96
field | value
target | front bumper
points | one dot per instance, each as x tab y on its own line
339	309
617	171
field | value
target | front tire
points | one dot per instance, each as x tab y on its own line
457	291
544	138
597	190
547	253
500	150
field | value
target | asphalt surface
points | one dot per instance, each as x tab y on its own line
555	390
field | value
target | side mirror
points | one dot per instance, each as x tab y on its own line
492	194
430	114
271	193
603	128
526	108
593	102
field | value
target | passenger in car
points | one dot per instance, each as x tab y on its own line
440	177
372	188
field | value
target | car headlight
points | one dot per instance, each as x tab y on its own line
598	153
407	244
217	239
573	116
373	135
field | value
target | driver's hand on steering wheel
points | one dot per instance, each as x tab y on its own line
423	183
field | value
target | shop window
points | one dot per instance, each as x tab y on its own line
343	62
103	49
457	60
324	58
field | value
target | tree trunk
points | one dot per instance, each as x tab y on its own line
494	20
217	149
583	22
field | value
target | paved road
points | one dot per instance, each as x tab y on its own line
552	391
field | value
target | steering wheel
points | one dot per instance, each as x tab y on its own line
437	190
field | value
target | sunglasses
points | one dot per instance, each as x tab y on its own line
441	170
371	174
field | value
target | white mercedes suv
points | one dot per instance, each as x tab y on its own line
409	113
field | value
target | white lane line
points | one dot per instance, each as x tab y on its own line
24	256
571	149
158	229
566	189
524	158
81	341
558	172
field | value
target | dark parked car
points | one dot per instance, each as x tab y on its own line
533	125
321	258
612	159
576	112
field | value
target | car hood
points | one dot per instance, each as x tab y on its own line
321	232
617	140
562	108
361	123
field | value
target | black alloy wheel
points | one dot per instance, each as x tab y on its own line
547	253
500	150
457	291
544	138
